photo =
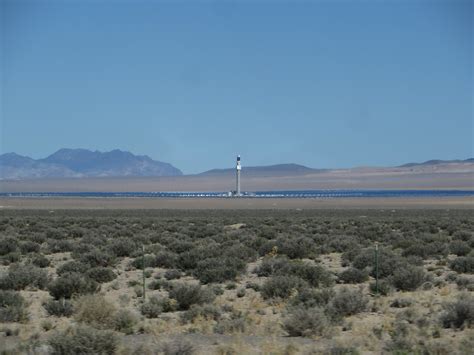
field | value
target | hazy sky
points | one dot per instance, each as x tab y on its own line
193	83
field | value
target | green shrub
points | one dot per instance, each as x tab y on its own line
124	321
59	246
459	313
384	287
96	258
282	286
172	274
186	295
463	264
459	248
8	245
123	247
83	340
353	276
219	269
72	284
59	308
152	308
348	302
72	266
12	307
101	274
29	247
40	261
408	278
21	276
166	259
296	248
306	322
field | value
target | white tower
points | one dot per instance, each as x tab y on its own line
237	169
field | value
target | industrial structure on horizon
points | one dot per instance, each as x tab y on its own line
238	168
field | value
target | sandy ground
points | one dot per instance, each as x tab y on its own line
241	203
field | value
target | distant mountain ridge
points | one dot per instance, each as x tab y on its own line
271	170
437	162
83	163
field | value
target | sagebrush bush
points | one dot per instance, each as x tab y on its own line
353	276
306	322
207	311
463	264
347	302
218	269
97	257
72	284
13	307
186	295
83	340
72	266
459	248
40	261
21	276
178	347
29	247
310	297
123	247
101	274
459	313
282	286
152	308
59	308
124	321
408	278
95	310
8	245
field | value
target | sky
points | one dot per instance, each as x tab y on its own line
325	84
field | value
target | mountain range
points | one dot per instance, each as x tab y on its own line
78	163
67	163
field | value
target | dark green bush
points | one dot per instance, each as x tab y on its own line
459	313
83	340
463	264
72	266
282	286
59	308
59	246
8	245
172	274
101	274
29	247
186	295
21	276
296	248
178	347
408	278
40	260
12	307
459	248
306	322
96	258
123	247
218	269
72	284
353	276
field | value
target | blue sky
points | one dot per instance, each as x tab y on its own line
325	84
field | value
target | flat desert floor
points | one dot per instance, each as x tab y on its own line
240	203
